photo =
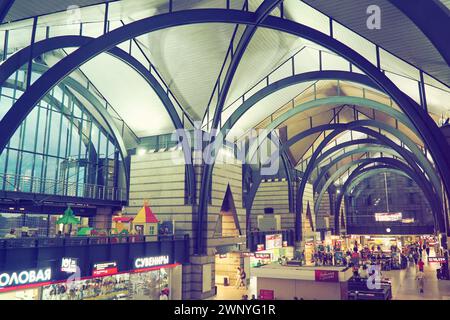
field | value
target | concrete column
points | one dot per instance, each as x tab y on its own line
202	277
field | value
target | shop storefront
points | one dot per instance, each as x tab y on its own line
151	278
273	249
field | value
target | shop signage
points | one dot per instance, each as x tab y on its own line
69	265
247	254
274	241
262	255
25	277
388	216
326	276
147	262
436	259
285	243
266	294
259	247
104	269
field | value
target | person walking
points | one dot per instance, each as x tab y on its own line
420	281
11	234
427	249
243	277
238	277
421	265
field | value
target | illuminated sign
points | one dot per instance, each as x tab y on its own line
25	277
262	256
436	259
388	216
104	269
408	220
260	247
148	262
69	265
274	241
326	276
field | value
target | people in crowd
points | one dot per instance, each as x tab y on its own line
420	264
238	277
243	277
420	281
11	234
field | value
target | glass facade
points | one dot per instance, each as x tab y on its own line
60	148
391	199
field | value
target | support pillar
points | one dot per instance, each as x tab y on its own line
202	277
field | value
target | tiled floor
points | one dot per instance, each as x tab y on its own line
404	286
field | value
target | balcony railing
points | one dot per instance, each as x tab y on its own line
83	241
17	183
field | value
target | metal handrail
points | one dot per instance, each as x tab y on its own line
19	183
64	241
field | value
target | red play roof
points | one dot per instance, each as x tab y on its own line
149	215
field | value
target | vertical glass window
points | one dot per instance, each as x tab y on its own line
40	135
54	134
30	132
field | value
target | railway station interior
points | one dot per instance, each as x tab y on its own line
224	150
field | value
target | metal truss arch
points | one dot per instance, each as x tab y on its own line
428	130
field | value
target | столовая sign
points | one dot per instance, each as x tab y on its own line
25	277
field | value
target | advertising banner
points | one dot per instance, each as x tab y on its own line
104	269
326	276
274	241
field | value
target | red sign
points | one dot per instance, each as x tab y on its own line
327	276
259	247
104	269
266	294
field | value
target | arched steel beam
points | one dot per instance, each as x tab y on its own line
288	170
290	81
334	100
22	57
425	164
329	152
362	172
420	180
430	133
5	5
424	124
380	140
261	13
431	24
349	153
64	112
99	109
355	126
410	144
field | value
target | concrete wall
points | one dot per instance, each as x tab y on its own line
273	194
160	178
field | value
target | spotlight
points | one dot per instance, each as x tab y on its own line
141	152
